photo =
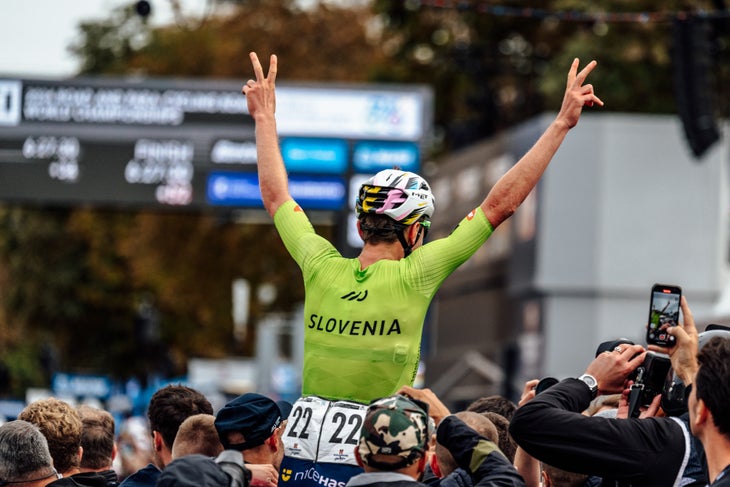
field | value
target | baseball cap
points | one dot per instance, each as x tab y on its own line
193	471
254	416
394	426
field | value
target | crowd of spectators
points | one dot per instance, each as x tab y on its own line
560	436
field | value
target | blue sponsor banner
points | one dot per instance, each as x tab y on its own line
235	189
81	385
242	189
10	409
372	157
322	156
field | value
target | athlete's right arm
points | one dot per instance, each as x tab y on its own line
299	237
261	101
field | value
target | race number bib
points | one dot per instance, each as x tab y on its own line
324	431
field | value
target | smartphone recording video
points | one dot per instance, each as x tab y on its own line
663	313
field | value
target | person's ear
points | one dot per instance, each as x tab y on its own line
357	456
422	463
157	440
359	230
702	413
273	441
435	467
413	233
115	451
545	478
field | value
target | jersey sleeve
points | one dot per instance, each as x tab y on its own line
435	261
298	235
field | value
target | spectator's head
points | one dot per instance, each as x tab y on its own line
476	421
710	395
495	404
554	477
193	471
168	408
61	425
253	424
604	405
97	439
394	436
197	434
506	444
24	455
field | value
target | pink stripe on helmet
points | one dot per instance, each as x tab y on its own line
395	198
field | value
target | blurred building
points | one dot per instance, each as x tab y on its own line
623	205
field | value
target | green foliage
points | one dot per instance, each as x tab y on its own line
105	46
490	71
22	369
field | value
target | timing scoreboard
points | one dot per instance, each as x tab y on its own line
174	143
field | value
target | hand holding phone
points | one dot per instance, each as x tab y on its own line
663	313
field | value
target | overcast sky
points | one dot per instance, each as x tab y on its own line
35	34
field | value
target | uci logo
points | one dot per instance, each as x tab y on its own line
286	474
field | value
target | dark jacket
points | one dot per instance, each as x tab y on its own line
722	480
196	471
652	452
144	477
87	479
479	457
112	480
457	478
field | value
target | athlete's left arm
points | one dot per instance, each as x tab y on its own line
431	263
514	186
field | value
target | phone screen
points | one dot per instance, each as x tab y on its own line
663	313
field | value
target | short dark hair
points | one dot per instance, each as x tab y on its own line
506	443
563	478
377	229
172	405
713	381
97	437
496	404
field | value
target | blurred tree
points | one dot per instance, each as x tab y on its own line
135	293
495	65
105	46
310	42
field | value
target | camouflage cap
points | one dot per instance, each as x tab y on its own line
394	426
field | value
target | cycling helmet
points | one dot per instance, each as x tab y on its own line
403	196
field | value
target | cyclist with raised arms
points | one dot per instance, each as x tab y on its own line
363	316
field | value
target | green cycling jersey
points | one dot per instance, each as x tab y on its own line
363	326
